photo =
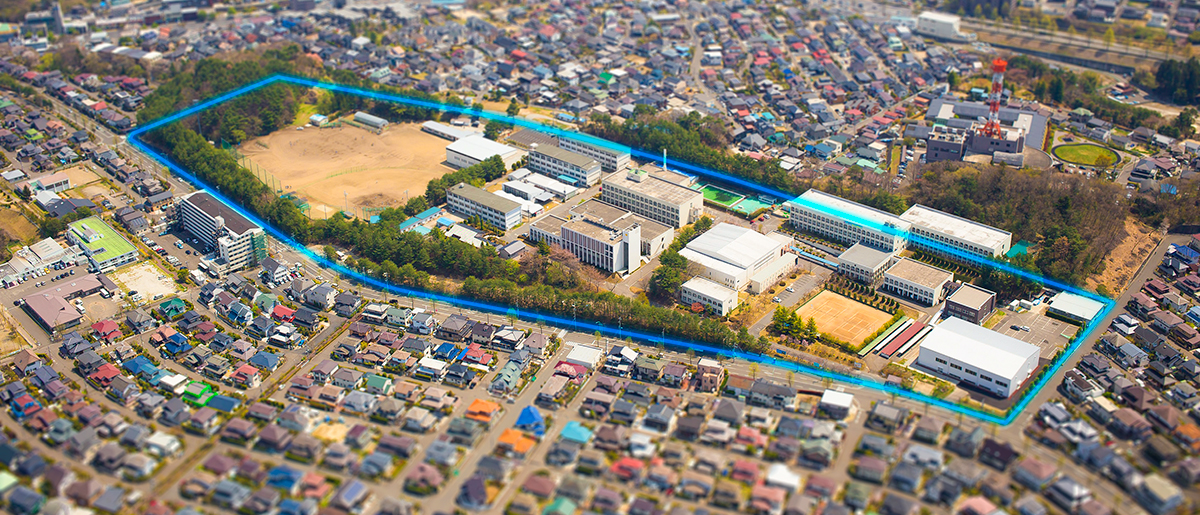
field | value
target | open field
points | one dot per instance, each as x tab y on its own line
80	176
843	318
10	340
333	167
146	279
16	225
1086	154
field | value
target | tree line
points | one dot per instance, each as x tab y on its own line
546	283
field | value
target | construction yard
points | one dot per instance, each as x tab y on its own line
348	168
843	318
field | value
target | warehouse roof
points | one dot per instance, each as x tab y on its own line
1077	306
958	227
579	160
919	273
483	198
982	348
479	148
738	246
865	256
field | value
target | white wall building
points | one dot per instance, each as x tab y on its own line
604	236
715	297
648	195
917	281
471	201
842	220
610	160
556	162
931	227
240	243
864	264
942	26
473	150
732	255
963	351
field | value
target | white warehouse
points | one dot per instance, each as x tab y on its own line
963	351
733	256
942	26
472	150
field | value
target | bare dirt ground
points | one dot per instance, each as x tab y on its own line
146	279
80	176
10	340
1122	263
333	167
16	225
843	318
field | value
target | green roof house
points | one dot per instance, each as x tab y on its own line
560	506
172	308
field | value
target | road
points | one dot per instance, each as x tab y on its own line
1044	36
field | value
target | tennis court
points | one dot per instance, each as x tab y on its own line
843	318
720	196
750	206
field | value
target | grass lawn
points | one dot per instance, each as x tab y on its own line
303	113
1086	154
895	164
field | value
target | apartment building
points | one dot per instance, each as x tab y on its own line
239	242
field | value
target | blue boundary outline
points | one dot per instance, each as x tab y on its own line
134	138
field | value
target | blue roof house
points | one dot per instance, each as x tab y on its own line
576	432
446	352
531	421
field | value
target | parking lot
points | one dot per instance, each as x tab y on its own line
1045	332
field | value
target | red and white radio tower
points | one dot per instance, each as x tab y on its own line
992	127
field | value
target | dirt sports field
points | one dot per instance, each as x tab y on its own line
843	318
329	167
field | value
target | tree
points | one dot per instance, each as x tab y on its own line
810	328
1103	161
1185	122
331	253
181	276
513	108
494	129
753	368
1071	31
1109	37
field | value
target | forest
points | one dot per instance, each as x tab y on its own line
1074	90
548	282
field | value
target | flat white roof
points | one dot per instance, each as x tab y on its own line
710	289
738	246
836	398
582	353
958	227
848	211
431	363
1076	305
479	148
865	256
983	349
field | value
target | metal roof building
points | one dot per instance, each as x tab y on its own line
973	354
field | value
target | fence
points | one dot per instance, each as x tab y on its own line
259	172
